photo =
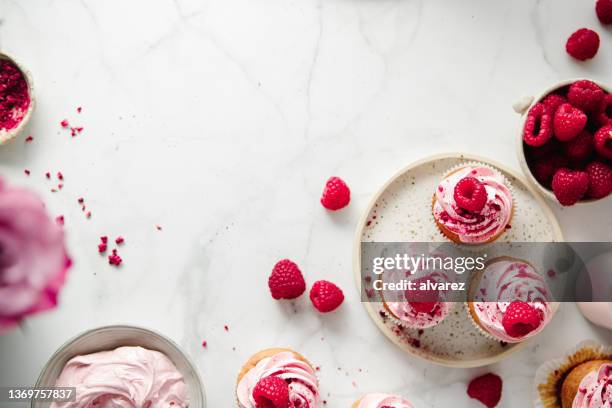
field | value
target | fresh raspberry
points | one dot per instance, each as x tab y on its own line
325	296
521	318
580	148
583	44
604	11
568	122
570	186
538	126
600	180
470	194
585	95
603	142
553	101
603	115
286	280
271	392
486	389
336	194
544	169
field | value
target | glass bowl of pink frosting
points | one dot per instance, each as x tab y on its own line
112	338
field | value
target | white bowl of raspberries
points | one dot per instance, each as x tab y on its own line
565	147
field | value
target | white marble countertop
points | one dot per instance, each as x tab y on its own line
220	120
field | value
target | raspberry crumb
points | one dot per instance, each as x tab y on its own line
88	215
48	175
81	200
60	176
60	186
120	240
226	328
79	109
102	248
104	239
27	172
60	220
159	228
29	139
204	344
114	258
64	123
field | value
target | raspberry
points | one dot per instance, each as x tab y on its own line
470	194
604	11
271	392
583	44
603	142
521	318
486	389
286	280
585	95
570	186
553	101
600	180
603	116
422	301
543	169
538	126
568	122
336	194
580	148
325	296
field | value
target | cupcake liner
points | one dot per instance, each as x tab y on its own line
466	306
551	374
468	246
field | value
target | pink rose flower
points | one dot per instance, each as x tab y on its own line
33	258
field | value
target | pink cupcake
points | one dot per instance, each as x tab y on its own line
524	305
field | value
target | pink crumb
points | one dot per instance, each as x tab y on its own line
159	228
81	200
204	344
102	248
27	172
79	109
60	220
29	139
64	123
226	327
120	240
114	258
88	215
60	176
104	239
48	175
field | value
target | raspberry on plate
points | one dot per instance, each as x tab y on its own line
487	389
600	180
570	186
603	142
521	319
603	8
336	194
583	44
568	122
326	296
538	126
286	280
470	194
580	148
271	392
585	95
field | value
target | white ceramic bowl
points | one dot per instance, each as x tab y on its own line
523	107
11	134
111	337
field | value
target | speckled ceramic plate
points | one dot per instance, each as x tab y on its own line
401	212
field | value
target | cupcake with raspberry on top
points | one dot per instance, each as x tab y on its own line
509	301
382	401
277	378
473	205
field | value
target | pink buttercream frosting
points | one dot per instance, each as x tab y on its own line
595	390
405	311
474	228
301	377
384	400
510	280
127	377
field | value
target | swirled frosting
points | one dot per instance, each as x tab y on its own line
595	389
474	228
507	281
384	400
405	311
303	384
127	377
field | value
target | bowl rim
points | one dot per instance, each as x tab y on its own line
84	333
520	151
17	130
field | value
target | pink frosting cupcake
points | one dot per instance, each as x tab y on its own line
382	401
524	305
472	205
285	364
418	309
595	388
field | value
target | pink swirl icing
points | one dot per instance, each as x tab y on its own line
470	227
510	280
405	312
595	389
303	384
384	400
127	377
